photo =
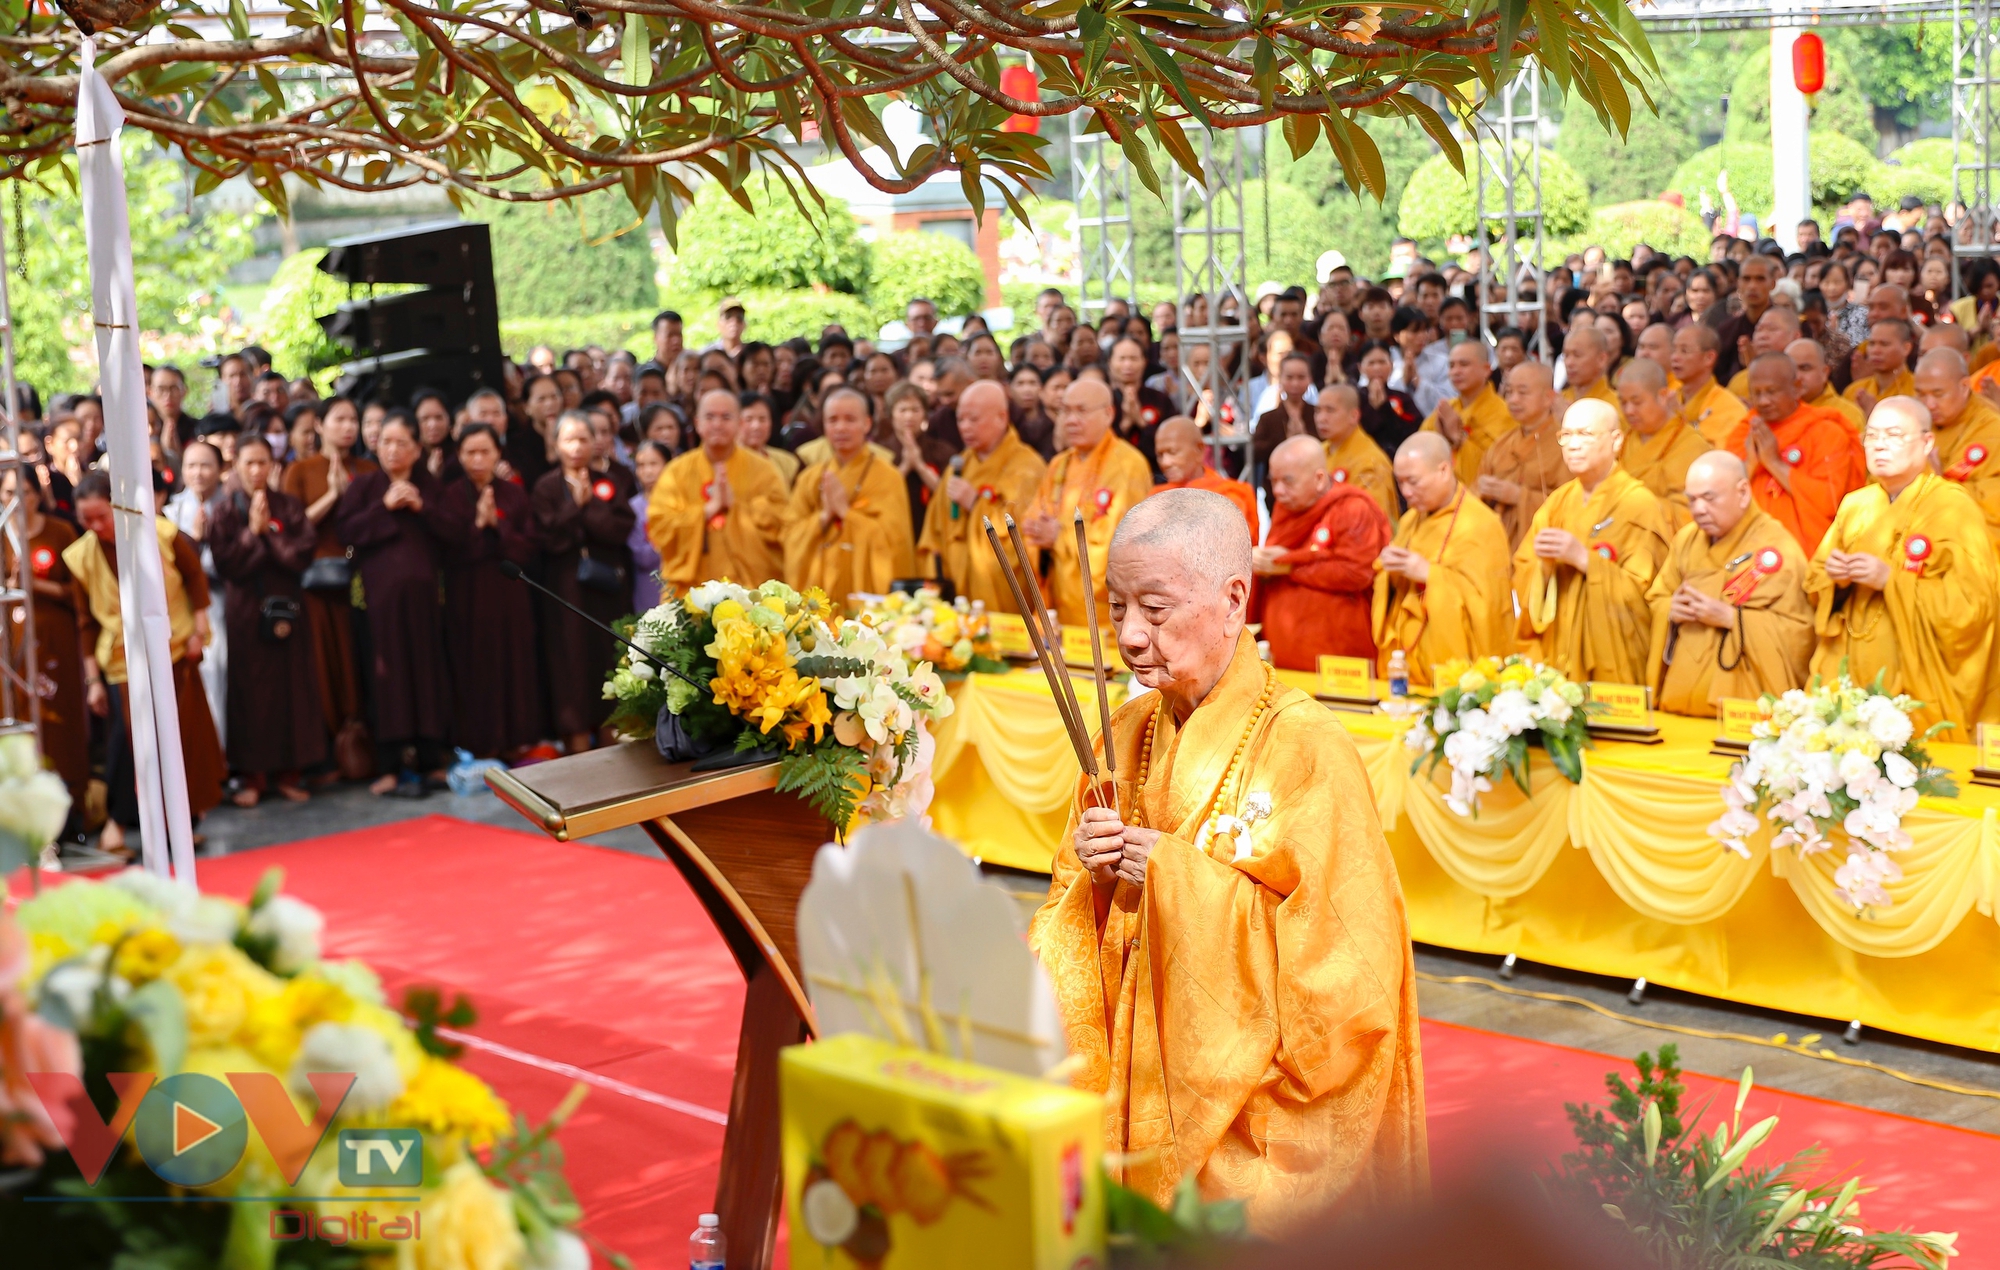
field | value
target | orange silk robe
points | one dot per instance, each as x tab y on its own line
1250	1012
1464	609
1929	633
1006	480
863	551
1825	456
1236	492
1760	569
1106	481
1714	412
744	548
1599	626
1357	460
1535	463
1321	606
1661	462
1486	420
1968	449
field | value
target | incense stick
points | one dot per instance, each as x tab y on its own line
1096	646
1071	725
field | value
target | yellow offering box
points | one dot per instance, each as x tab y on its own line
896	1159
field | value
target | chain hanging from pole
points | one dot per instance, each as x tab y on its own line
1103	181
1975	29
1210	282
21	681
1507	194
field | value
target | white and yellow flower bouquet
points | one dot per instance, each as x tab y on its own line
955	638
1485	715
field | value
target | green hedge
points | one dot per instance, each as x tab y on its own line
1439	203
1839	166
920	263
1622	226
285	324
724	249
562	259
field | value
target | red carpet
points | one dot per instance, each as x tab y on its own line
597	962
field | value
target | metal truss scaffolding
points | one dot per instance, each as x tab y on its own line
1209	280
1507	196
1103	182
21	682
1975	29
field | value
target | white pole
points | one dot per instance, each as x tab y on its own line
1791	156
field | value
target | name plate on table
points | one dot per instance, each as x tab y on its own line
1076	650
1344	681
1624	713
1988	770
1735	719
1010	636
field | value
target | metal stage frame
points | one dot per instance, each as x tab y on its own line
1507	188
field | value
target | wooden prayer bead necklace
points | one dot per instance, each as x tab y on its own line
1228	773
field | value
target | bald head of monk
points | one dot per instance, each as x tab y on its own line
1656	345
1774	387
1337	413
1299	478
1177	449
1642	395
1696	346
718	421
1179	580
1467	368
982	416
1718	493
1809	359
1590	436
1086	413
1887	301
1945	335
1530	393
1586	356
1778	327
1942	386
1898	442
1424	471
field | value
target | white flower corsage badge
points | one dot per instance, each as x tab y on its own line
1236	829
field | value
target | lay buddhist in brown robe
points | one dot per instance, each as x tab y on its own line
275	727
576	656
1757	571
396	555
862	550
330	618
58	648
489	619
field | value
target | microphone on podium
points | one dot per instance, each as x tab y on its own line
509	569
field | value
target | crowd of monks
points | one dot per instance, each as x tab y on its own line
1653	526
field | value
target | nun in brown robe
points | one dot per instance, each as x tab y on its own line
318	481
489	618
261	542
58	647
582	515
382	518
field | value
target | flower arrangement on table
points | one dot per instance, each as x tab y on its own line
141	974
1834	756
842	708
955	638
1484	716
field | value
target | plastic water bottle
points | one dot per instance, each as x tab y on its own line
1399	674
705	1250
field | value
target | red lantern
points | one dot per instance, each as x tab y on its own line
1019	82
1809	63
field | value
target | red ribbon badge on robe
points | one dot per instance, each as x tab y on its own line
277	526
720	519
1321	537
605	491
1974	456
1739	587
1340	476
1149	414
43	561
986	493
1916	552
1605	551
1793	456
1103	500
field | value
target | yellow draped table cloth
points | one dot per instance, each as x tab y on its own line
1616	876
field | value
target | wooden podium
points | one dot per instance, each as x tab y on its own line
746	852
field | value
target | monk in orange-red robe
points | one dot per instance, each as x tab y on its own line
1177	447
1315	573
1803	460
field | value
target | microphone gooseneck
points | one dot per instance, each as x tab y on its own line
508	569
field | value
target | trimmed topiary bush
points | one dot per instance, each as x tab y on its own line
1840	107
1622	226
1622	170
1922	168
1839	167
285	324
919	262
570	258
724	249
1439	203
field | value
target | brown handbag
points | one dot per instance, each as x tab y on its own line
354	751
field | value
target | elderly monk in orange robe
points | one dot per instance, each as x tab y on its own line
1097	472
1581	574
1814	389
1659	445
1802	460
1178	450
1887	353
1730	614
1967	428
1706	406
1352	457
1316	569
1587	360
1905	584
995	475
1524	464
717	512
1477	416
848	526
1228	943
1442	593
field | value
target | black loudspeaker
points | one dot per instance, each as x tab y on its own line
445	336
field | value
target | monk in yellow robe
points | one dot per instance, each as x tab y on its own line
1967	428
1183	460
1659	445
717	512
995	475
1352	457
1904	584
1706	406
1442	591
1225	933
1587	360
1475	418
1890	342
1581	574
847	528
1525	465
1814	388
1730	614
1097	472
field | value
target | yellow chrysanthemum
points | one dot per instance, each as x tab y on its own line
468	1225
452	1102
145	955
273	1029
220	986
